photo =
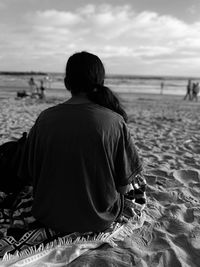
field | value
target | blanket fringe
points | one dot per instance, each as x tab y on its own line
35	253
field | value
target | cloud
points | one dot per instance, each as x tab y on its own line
120	27
111	32
55	18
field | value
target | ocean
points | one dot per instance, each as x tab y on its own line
118	83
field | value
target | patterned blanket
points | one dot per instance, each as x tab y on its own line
24	242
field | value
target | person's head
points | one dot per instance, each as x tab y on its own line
85	73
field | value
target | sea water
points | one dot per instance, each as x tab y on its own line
118	83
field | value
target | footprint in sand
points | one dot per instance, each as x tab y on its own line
193	146
161	173
187	176
176	226
142	146
189	215
194	237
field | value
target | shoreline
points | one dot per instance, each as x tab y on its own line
9	91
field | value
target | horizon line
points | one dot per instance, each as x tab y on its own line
109	75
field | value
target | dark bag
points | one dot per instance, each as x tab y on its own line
10	159
22	94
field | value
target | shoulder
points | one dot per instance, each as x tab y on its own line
50	110
110	122
109	113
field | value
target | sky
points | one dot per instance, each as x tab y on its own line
138	37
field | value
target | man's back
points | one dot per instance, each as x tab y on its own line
73	148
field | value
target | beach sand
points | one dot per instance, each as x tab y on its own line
166	131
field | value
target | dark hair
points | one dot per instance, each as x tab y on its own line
85	73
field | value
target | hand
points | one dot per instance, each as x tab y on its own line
122	219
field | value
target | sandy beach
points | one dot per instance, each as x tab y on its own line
165	130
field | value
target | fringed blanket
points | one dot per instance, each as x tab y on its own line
24	242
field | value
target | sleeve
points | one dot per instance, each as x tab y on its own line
24	168
127	161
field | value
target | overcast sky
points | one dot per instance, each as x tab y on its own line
149	37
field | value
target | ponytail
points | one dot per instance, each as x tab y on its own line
85	73
103	96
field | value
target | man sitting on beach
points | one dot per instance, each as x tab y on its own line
79	155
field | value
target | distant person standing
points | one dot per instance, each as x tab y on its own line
42	89
161	88
189	91
33	86
195	91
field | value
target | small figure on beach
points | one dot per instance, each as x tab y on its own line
41	90
21	94
161	88
188	90
195	91
80	156
33	87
